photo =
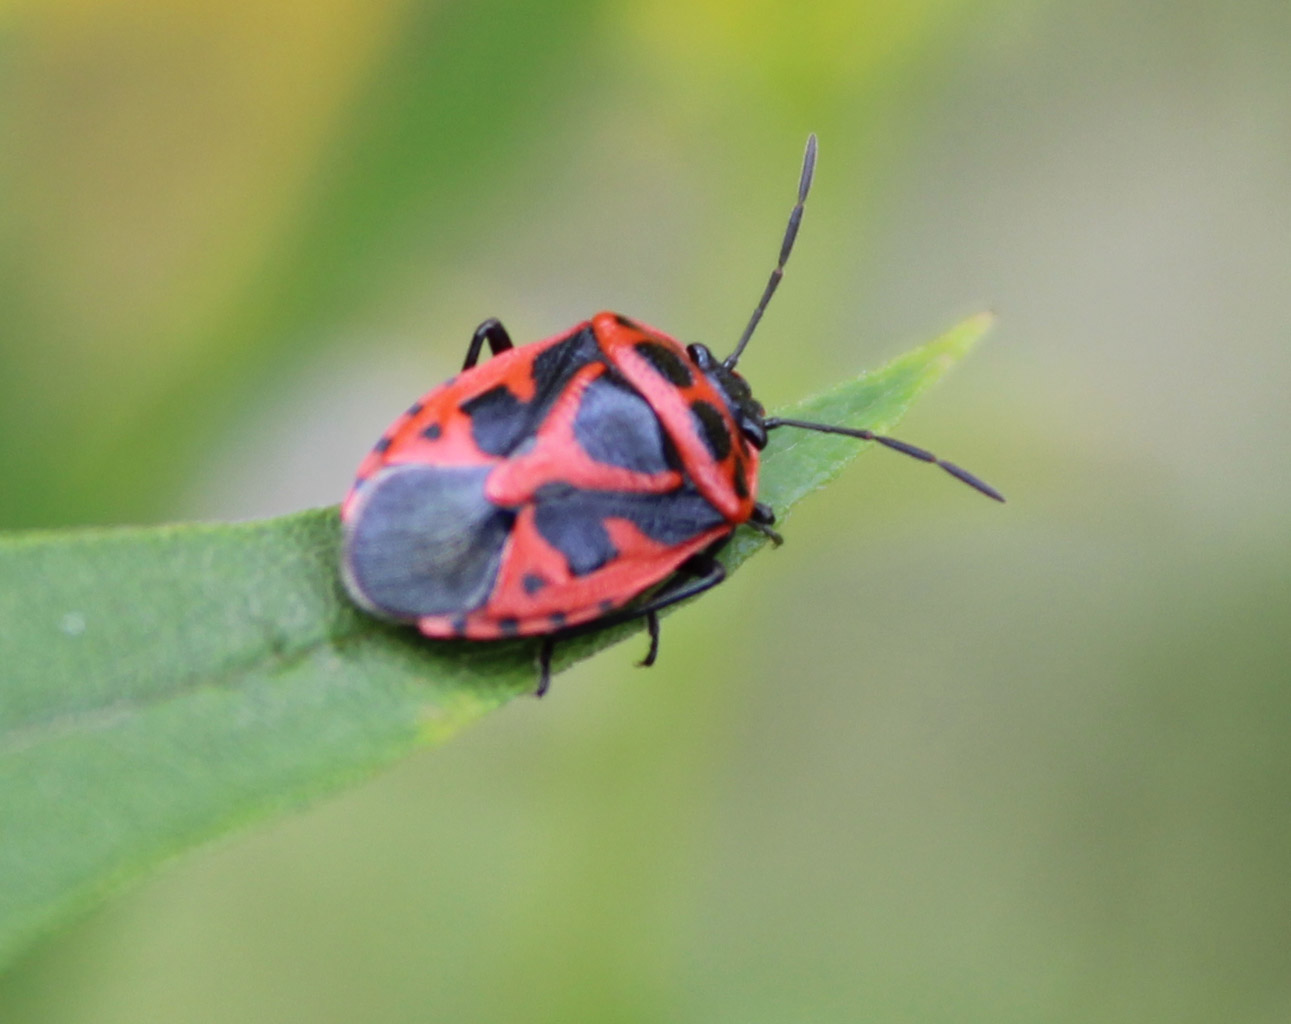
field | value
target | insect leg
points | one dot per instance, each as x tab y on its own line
762	520
652	627
494	333
544	665
700	573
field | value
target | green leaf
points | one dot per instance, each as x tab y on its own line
165	685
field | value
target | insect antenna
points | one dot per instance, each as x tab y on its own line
786	247
890	442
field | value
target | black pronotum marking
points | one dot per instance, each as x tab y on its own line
573	520
500	421
616	426
712	429
426	541
666	363
741	480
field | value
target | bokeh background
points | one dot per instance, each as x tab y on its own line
934	760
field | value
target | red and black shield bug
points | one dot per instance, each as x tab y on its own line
570	484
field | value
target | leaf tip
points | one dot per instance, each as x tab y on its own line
970	331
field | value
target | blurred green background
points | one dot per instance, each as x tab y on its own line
934	760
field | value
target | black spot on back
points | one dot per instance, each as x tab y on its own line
741	479
712	428
500	421
571	525
666	363
509	627
616	426
572	520
671	455
557	620
383	444
426	541
553	368
532	583
432	432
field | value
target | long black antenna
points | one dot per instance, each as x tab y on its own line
889	442
786	247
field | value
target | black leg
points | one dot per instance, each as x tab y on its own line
494	333
544	665
652	626
700	573
762	520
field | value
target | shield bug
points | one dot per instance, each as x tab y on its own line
570	484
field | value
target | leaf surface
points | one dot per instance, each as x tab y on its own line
163	686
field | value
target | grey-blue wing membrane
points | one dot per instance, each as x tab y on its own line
428	542
616	426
